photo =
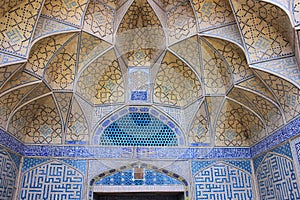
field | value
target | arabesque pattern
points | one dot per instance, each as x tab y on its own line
99	20
60	72
286	93
90	48
38	122
181	22
140	36
176	84
43	51
67	11
102	82
200	131
17	26
237	126
264	33
217	76
213	13
78	131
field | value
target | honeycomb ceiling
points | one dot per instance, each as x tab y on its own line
225	71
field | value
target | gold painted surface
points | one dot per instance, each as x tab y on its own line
176	84
189	50
43	51
112	3
90	48
234	57
63	100
102	82
69	11
6	72
237	126
200	128
77	126
267	110
140	14
216	74
140	40
262	27
18	79
99	20
238	95
287	94
60	72
7	5
16	26
213	106
140	37
37	122
40	89
257	85
9	101
181	22
168	4
213	13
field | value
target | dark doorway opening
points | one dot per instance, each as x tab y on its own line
140	196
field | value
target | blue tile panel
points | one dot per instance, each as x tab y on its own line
134	116
52	180
16	158
222	181
288	131
151	177
284	150
32	162
139	96
10	142
297	148
8	174
258	160
241	164
78	164
138	129
199	165
276	178
29	163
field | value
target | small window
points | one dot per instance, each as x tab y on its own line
138	173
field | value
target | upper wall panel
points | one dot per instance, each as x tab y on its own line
70	12
266	30
17	26
140	37
99	20
102	81
181	22
212	13
176	84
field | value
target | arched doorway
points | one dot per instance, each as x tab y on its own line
138	181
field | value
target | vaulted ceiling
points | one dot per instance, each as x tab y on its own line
225	71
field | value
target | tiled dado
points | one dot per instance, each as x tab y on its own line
281	135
